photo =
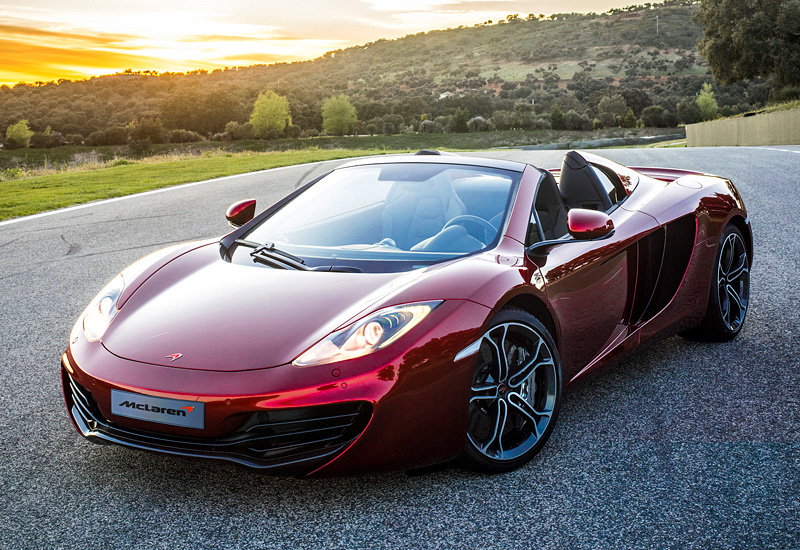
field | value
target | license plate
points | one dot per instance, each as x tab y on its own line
175	412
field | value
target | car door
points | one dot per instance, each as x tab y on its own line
590	286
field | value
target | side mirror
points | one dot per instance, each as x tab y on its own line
589	225
239	213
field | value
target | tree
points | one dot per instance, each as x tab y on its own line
659	117
338	115
743	39
630	120
270	115
689	112
706	103
238	131
144	128
460	119
610	108
477	124
428	127
573	120
18	135
557	118
47	139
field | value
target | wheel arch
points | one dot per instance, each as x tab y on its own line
744	227
536	307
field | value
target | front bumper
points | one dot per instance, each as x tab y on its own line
397	409
287	441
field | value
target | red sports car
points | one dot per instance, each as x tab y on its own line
404	311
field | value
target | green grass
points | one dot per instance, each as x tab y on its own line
787	106
16	163
772	108
34	180
26	196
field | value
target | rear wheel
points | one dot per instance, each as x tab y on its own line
730	291
516	393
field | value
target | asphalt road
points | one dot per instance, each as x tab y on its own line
685	446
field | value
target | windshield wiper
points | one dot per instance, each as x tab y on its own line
266	253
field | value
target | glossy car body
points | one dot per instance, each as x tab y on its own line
239	329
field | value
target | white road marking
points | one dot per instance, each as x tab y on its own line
797	151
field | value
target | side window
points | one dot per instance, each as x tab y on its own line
607	184
533	236
611	182
549	217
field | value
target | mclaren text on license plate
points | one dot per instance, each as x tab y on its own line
176	412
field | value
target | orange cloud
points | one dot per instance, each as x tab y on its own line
26	60
39	54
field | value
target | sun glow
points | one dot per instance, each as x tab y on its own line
41	40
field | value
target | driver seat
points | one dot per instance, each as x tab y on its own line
580	186
418	210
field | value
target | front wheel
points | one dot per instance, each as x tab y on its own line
515	394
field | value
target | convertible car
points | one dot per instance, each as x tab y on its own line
405	311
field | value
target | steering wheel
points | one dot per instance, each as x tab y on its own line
473	219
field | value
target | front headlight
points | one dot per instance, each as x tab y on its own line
102	309
371	333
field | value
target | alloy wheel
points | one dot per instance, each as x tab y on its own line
514	392
733	282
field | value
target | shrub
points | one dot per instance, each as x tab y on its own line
503	120
141	147
239	131
652	116
147	128
18	135
477	124
573	120
293	130
428	127
115	135
540	124
46	140
95	139
689	112
183	136
74	139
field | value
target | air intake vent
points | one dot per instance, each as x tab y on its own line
286	441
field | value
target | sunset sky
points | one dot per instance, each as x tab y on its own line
47	40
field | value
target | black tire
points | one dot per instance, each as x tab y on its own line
730	291
524	392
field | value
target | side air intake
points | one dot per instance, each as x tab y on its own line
663	258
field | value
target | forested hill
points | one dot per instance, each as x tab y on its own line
512	73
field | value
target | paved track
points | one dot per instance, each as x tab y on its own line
685	446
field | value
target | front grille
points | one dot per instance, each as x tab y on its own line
286	441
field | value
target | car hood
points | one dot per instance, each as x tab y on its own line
226	317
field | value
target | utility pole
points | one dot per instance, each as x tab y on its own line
656	25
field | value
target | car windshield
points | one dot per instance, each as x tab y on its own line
410	214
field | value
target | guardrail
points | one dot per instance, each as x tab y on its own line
599	143
778	128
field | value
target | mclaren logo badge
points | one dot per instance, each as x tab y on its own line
173	357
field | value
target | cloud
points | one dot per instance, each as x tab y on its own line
36	50
40	40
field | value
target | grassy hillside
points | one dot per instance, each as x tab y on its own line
512	73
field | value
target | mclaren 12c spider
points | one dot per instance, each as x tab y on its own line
405	311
